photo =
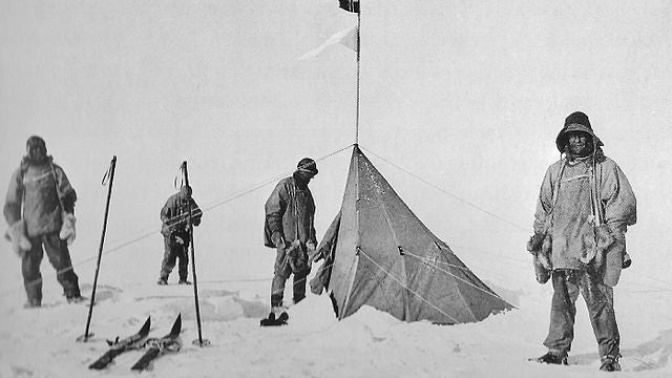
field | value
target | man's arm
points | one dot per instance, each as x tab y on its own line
65	189
196	213
13	199
620	204
544	203
275	209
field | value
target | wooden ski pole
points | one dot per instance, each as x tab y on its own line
110	172
199	341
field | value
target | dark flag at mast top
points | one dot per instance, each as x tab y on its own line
350	5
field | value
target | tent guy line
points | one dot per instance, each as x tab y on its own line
437	267
263	184
405	286
502	219
153	230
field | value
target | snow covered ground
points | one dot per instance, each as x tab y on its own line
467	96
41	343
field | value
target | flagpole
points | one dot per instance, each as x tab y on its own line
359	24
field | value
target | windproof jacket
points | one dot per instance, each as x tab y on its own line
564	206
175	213
33	195
291	211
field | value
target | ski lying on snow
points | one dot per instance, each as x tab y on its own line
119	346
157	347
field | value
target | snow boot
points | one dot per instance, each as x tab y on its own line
76	299
162	282
270	321
274	320
183	282
32	303
610	363
552	358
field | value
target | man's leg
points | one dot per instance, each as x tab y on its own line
299	286
563	311
281	272
599	299
183	256
59	257
30	268
168	262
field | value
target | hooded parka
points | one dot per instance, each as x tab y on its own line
33	189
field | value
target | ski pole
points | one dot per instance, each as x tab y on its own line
108	175
199	341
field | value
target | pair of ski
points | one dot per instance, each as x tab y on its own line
155	346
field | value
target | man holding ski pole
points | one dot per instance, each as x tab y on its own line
175	231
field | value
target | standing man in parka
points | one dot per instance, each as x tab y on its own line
584	209
289	228
176	233
38	194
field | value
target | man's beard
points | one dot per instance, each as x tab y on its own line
580	150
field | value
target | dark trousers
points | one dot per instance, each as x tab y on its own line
173	250
281	272
59	257
599	298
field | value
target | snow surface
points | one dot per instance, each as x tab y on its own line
466	96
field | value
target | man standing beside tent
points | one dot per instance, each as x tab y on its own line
176	233
584	209
39	208
289	228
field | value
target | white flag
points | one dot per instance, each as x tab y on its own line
347	38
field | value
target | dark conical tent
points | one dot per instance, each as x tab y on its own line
380	254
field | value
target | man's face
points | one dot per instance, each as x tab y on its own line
37	152
579	143
305	176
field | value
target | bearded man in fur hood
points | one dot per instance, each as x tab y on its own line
583	212
39	201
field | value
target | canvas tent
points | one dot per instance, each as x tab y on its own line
380	254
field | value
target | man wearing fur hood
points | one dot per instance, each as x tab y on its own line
38	202
584	209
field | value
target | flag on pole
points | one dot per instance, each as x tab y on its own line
347	38
350	5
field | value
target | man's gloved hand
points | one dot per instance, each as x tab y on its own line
279	240
179	240
316	256
165	230
534	244
297	256
627	260
17	236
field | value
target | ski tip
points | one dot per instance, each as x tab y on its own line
177	326
145	327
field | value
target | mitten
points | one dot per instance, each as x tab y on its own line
68	230
16	235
